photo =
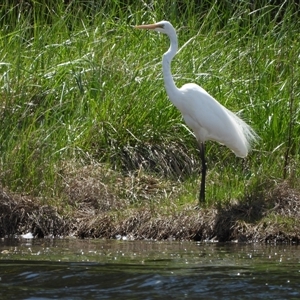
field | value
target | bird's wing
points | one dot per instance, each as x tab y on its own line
202	111
212	121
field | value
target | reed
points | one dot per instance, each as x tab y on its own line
78	83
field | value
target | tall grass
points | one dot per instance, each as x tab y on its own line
77	82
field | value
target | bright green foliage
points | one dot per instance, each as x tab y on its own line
78	82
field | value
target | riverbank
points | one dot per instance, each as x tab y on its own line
95	209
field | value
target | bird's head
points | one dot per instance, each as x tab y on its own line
162	26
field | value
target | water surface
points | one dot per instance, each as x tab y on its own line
109	269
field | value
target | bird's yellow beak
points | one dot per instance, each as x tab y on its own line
148	26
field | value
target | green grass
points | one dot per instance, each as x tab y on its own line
77	82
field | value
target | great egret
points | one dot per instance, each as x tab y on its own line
208	119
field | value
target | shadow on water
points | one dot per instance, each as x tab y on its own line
106	269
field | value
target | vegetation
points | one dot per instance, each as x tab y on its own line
85	119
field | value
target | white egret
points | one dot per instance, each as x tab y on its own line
208	119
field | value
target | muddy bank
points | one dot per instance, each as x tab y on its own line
274	218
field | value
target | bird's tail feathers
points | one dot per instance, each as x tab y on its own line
250	136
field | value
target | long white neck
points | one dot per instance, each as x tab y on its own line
170	86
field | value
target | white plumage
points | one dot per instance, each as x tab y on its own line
212	121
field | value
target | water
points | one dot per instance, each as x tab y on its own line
106	269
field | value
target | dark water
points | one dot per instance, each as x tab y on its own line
99	269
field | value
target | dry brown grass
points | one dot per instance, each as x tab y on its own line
106	204
144	224
20	214
270	218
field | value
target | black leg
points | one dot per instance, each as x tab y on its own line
203	172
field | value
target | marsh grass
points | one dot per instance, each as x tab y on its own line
78	83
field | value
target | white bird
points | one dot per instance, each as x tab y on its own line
208	119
